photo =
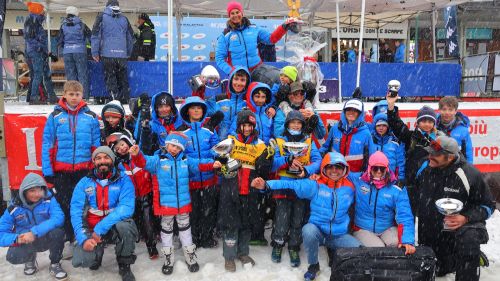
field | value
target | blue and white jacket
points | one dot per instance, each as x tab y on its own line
459	130
112	35
73	36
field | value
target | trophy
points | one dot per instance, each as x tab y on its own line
224	149
449	207
209	77
295	149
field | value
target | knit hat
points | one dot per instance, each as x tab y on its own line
164	98
112	3
426	112
234	5
354	103
290	72
246	116
72	10
296	86
144	16
443	144
378	159
178	139
113	108
104	149
295	115
35	8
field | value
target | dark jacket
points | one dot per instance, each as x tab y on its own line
106	128
35	36
461	181
146	42
414	140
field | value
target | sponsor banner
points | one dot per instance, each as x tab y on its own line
388	31
199	37
475	69
23	140
450	15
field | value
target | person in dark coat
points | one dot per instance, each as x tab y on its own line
447	174
112	42
144	47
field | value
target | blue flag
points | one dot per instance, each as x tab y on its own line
450	16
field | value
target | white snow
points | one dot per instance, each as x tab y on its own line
212	265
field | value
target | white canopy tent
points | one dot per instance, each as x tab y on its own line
315	12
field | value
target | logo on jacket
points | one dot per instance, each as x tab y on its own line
336	140
233	37
448	189
324	193
20	217
165	167
365	189
224	108
89	190
61	120
387	195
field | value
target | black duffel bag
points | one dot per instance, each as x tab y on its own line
387	264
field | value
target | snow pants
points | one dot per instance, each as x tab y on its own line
52	241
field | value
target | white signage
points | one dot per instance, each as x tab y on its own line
388	31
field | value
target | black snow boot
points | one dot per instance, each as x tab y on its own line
126	272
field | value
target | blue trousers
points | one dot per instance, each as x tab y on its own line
40	75
75	65
313	238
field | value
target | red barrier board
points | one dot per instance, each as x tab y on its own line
23	139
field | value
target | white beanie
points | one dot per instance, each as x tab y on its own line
72	10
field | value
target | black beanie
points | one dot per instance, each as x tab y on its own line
246	116
426	112
112	3
164	98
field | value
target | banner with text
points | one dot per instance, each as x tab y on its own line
388	31
23	140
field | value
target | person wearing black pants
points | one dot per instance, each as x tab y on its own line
204	216
64	184
116	78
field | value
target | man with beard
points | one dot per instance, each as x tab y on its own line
447	174
101	212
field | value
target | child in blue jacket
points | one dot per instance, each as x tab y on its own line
33	223
383	214
203	181
384	140
331	195
290	210
170	169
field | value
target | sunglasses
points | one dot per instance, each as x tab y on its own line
297	93
378	169
437	148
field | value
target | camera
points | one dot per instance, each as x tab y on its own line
393	87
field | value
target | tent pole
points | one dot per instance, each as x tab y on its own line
49	45
179	35
170	31
360	44
433	21
378	43
338	51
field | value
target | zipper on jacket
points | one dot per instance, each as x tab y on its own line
199	153
74	142
246	50
335	210
261	133
375	211
177	186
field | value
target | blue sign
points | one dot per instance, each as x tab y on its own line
199	36
450	16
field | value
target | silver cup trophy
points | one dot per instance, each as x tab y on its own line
296	149
224	149
449	207
211	77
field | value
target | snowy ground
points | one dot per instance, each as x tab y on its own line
212	265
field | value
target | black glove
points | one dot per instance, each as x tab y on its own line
357	94
289	160
309	89
49	179
311	124
215	120
282	93
145	106
222	160
53	57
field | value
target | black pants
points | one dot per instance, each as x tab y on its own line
459	250
288	222
123	235
64	184
116	78
204	215
146	222
257	209
52	241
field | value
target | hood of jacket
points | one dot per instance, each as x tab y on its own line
110	12
332	158
189	102
74	20
230	89
253	88
380	107
31	180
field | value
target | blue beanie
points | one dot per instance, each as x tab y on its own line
178	139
